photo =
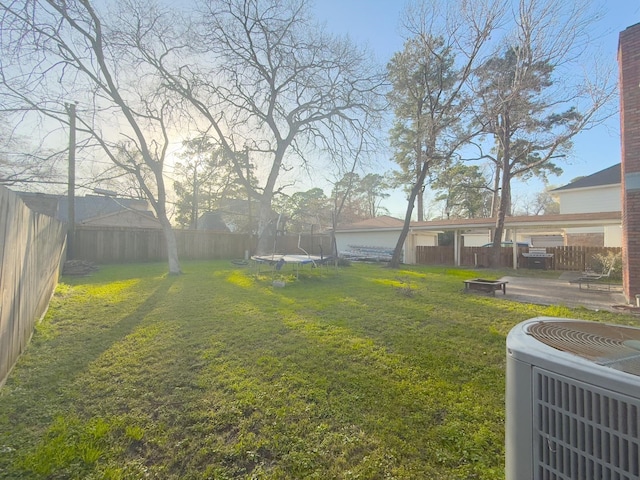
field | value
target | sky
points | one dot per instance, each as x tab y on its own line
375	23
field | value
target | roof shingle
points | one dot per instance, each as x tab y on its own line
608	176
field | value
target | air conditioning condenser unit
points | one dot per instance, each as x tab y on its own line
572	401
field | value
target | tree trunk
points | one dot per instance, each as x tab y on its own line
267	232
503	211
496	191
415	191
172	246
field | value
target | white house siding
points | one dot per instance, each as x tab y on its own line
388	239
426	239
610	235
613	236
476	239
550	240
587	200
418	239
481	239
596	199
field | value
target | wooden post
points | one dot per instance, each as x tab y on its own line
71	109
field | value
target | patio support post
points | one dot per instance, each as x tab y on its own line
410	246
514	237
456	247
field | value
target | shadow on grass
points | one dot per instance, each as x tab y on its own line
225	376
57	362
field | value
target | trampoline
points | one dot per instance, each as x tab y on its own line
278	260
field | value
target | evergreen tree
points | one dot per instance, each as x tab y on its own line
463	190
205	181
306	211
429	95
528	105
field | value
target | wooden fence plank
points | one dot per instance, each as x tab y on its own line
106	245
31	254
572	258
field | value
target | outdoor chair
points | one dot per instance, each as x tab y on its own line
589	277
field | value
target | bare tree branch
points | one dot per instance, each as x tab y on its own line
54	51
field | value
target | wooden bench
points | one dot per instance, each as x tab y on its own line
488	286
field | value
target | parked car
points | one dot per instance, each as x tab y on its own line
508	244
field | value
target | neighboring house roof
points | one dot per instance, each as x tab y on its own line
377	223
530	221
44	203
90	208
212	221
608	176
565	220
124	218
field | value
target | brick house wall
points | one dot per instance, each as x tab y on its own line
629	83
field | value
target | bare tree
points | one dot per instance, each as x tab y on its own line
25	159
269	80
55	52
25	165
540	203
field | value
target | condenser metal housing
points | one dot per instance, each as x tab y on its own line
572	401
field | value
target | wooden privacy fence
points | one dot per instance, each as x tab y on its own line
434	255
564	258
122	245
480	256
578	258
31	254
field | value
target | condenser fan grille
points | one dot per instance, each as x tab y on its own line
610	345
582	431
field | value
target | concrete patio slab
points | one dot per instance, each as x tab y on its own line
559	291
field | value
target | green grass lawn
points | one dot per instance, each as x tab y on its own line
359	373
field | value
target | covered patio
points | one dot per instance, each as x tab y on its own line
515	225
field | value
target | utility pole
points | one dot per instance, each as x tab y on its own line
194	210
71	110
